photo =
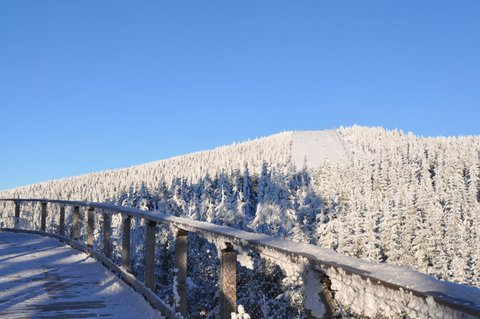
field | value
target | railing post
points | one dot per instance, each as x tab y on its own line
165	265
17	214
90	225
107	233
43	222
150	254
228	282
126	243
62	221
181	249
76	219
318	301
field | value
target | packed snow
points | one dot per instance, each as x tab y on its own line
315	147
40	277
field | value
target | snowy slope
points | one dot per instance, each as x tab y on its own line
279	151
315	147
103	186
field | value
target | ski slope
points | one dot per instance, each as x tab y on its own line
316	147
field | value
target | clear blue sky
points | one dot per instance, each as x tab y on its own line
92	85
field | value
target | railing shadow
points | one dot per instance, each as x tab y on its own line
52	280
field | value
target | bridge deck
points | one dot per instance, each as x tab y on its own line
42	278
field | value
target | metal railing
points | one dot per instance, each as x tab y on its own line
325	275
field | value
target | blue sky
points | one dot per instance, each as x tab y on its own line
92	85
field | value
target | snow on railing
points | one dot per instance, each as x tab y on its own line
333	284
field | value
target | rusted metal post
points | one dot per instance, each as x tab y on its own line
228	282
107	233
17	214
76	219
181	249
43	221
126	243
90	226
150	254
62	221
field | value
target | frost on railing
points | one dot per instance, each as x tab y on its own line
201	270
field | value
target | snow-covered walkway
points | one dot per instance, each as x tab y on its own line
43	278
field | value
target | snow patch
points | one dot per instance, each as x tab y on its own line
241	314
315	147
244	259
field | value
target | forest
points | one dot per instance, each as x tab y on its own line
398	198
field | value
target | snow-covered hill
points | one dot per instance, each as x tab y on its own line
103	186
380	195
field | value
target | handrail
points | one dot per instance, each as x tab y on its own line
456	297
